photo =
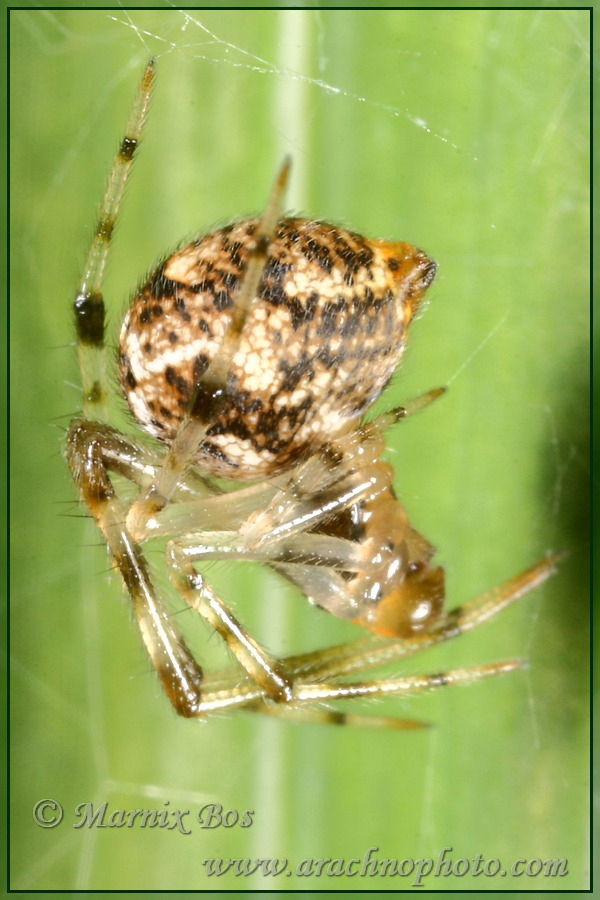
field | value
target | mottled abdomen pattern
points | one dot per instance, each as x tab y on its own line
321	342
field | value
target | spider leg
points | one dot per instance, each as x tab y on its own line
210	392
87	445
140	466
264	671
322	582
92	449
322	716
372	651
286	512
305	694
314	692
346	571
300	681
313	562
267	673
313	678
89	304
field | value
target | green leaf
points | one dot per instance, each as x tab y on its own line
464	132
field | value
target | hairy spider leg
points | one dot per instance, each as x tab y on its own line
90	449
372	651
210	392
89	304
319	555
93	448
86	451
310	670
265	672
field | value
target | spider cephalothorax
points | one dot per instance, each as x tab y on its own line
253	353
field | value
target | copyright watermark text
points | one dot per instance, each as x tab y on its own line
49	814
372	865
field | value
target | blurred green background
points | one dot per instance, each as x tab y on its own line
464	132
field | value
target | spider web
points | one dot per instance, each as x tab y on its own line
393	132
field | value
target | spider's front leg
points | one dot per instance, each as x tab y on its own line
90	447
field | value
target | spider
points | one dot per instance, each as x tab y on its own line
253	353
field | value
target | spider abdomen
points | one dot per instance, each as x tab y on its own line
321	341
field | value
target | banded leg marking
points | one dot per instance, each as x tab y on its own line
89	304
